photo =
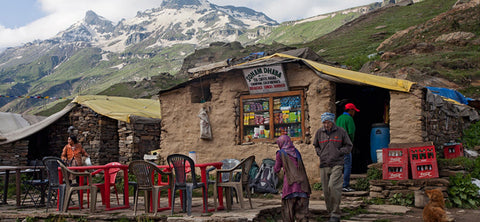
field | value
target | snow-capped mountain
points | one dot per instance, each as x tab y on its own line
95	53
195	22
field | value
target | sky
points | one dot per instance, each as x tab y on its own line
23	21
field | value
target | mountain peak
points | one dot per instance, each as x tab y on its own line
91	18
177	4
101	24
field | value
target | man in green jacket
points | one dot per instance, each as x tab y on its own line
346	122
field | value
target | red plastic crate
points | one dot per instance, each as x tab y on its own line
452	150
422	154
395	171
423	170
395	155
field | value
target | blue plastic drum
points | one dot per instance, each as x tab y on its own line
379	138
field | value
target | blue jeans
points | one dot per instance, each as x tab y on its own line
347	169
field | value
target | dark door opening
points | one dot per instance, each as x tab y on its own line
38	146
373	103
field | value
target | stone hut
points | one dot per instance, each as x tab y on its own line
250	104
109	128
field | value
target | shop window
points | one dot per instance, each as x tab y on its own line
201	93
268	116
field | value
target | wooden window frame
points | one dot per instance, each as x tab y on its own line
271	125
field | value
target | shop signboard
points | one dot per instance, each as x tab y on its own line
265	79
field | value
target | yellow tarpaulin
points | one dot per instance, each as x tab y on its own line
369	79
121	108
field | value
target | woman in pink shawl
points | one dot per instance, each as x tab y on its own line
296	187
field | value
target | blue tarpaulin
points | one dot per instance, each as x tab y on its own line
450	93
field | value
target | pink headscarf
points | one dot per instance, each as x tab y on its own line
285	143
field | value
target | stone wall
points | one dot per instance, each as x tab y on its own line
105	139
386	189
126	146
137	138
57	134
97	134
443	121
14	154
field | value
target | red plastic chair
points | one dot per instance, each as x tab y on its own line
113	175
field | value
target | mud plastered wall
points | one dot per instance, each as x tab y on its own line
406	116
181	125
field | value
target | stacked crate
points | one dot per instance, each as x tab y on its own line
395	163
452	150
423	162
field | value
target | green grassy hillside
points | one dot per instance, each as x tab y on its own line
296	33
351	43
416	50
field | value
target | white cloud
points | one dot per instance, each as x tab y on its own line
61	14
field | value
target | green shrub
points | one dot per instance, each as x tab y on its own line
476	168
363	183
462	193
400	199
472	166
317	186
465	162
471	136
375	200
374	174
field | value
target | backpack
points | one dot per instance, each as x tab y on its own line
266	180
253	172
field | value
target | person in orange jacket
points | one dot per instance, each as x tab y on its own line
73	152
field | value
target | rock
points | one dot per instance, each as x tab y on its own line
423	47
375	188
394	209
392	38
407	73
420	199
455	37
388	55
376	195
448	173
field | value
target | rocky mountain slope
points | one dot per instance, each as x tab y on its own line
435	43
94	53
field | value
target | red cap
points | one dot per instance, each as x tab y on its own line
351	106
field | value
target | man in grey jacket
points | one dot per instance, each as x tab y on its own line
331	144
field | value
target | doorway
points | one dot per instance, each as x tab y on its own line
373	103
38	146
